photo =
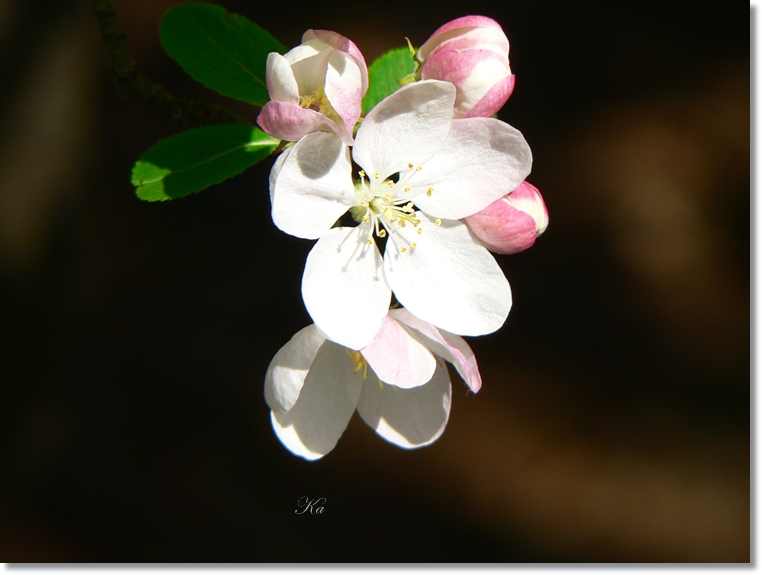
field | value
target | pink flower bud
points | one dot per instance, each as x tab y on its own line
512	223
317	86
472	53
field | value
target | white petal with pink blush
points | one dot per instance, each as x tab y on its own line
313	385
316	86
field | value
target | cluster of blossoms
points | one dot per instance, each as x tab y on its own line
409	205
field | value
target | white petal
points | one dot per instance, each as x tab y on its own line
313	186
287	370
281	83
309	62
449	279
408	417
451	347
397	357
482	160
344	288
408	127
328	399
343	87
308	48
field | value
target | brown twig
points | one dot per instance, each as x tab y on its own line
187	113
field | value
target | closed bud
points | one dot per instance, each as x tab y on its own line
512	223
472	53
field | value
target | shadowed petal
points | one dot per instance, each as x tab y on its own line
287	370
312	187
328	398
409	418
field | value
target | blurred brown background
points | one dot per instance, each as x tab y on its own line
614	421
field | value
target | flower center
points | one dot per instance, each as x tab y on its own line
387	205
319	102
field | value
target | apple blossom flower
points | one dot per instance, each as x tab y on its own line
421	172
472	53
512	223
319	85
398	383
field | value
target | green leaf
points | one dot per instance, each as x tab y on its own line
195	159
384	76
225	52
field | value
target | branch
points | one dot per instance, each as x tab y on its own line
130	84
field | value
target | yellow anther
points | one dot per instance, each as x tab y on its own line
362	173
391	184
381	233
438	222
402	224
376	175
420	231
370	241
360	363
428	192
413	245
407	188
319	102
388	197
410	166
418	168
366	218
404	250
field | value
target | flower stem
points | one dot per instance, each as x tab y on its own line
130	84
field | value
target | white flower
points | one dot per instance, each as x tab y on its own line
317	86
397	384
422	171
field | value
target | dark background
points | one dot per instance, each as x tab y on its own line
614	421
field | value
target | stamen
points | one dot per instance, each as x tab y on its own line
438	222
362	173
403	249
420	231
428	192
376	175
381	233
360	363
